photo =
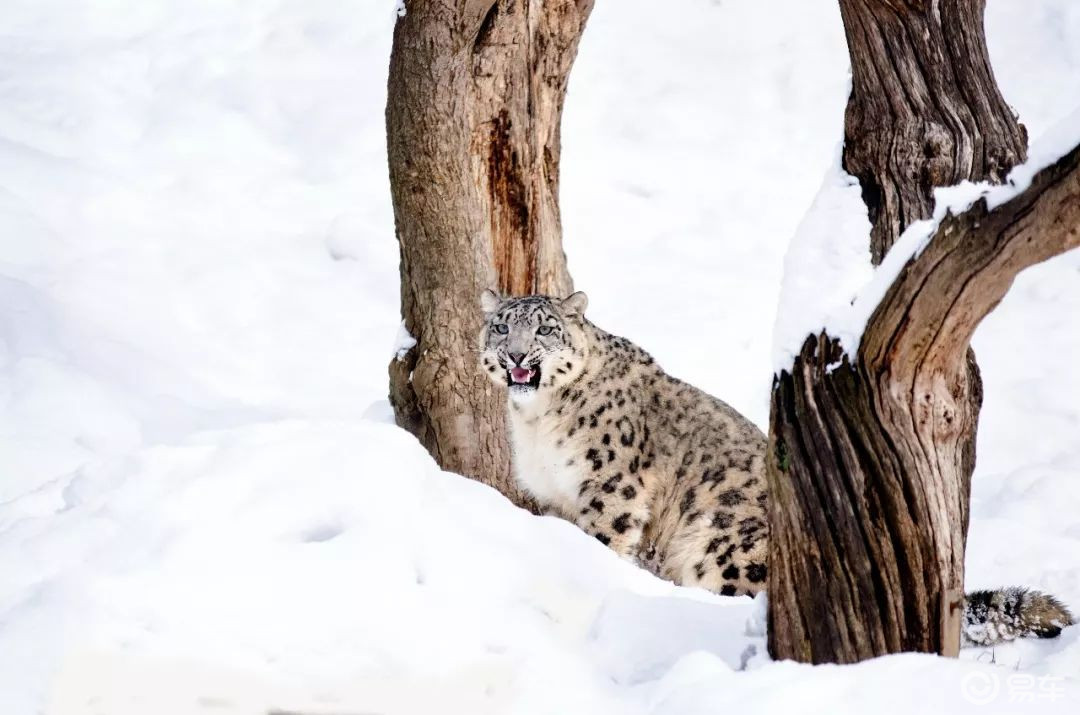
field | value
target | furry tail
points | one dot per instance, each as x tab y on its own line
1006	614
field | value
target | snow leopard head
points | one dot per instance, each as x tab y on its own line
533	343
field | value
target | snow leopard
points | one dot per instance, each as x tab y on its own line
664	474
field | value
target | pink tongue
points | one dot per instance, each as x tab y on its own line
520	374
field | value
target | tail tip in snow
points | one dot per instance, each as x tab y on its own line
1002	615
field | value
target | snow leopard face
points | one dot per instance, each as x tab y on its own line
533	343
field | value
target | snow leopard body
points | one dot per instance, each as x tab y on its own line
661	472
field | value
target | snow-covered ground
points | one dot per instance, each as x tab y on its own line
204	504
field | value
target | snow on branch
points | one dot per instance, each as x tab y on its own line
829	284
932	309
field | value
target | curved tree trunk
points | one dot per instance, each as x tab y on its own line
870	461
475	98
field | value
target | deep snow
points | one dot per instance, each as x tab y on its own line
204	506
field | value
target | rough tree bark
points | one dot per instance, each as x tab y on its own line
870	460
924	111
474	103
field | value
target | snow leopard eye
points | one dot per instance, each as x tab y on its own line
502	328
544	330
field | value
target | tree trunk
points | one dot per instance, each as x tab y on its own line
871	459
924	111
475	98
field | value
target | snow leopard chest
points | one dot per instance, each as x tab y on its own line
544	463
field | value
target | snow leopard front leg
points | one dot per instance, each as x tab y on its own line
612	502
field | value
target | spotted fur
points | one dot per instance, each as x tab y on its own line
652	467
1009	613
656	469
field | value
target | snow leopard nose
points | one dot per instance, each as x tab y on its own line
517	357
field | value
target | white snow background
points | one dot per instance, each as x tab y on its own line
204	504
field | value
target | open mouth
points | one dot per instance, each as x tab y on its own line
523	377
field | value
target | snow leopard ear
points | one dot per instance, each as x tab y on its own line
575	304
489	301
